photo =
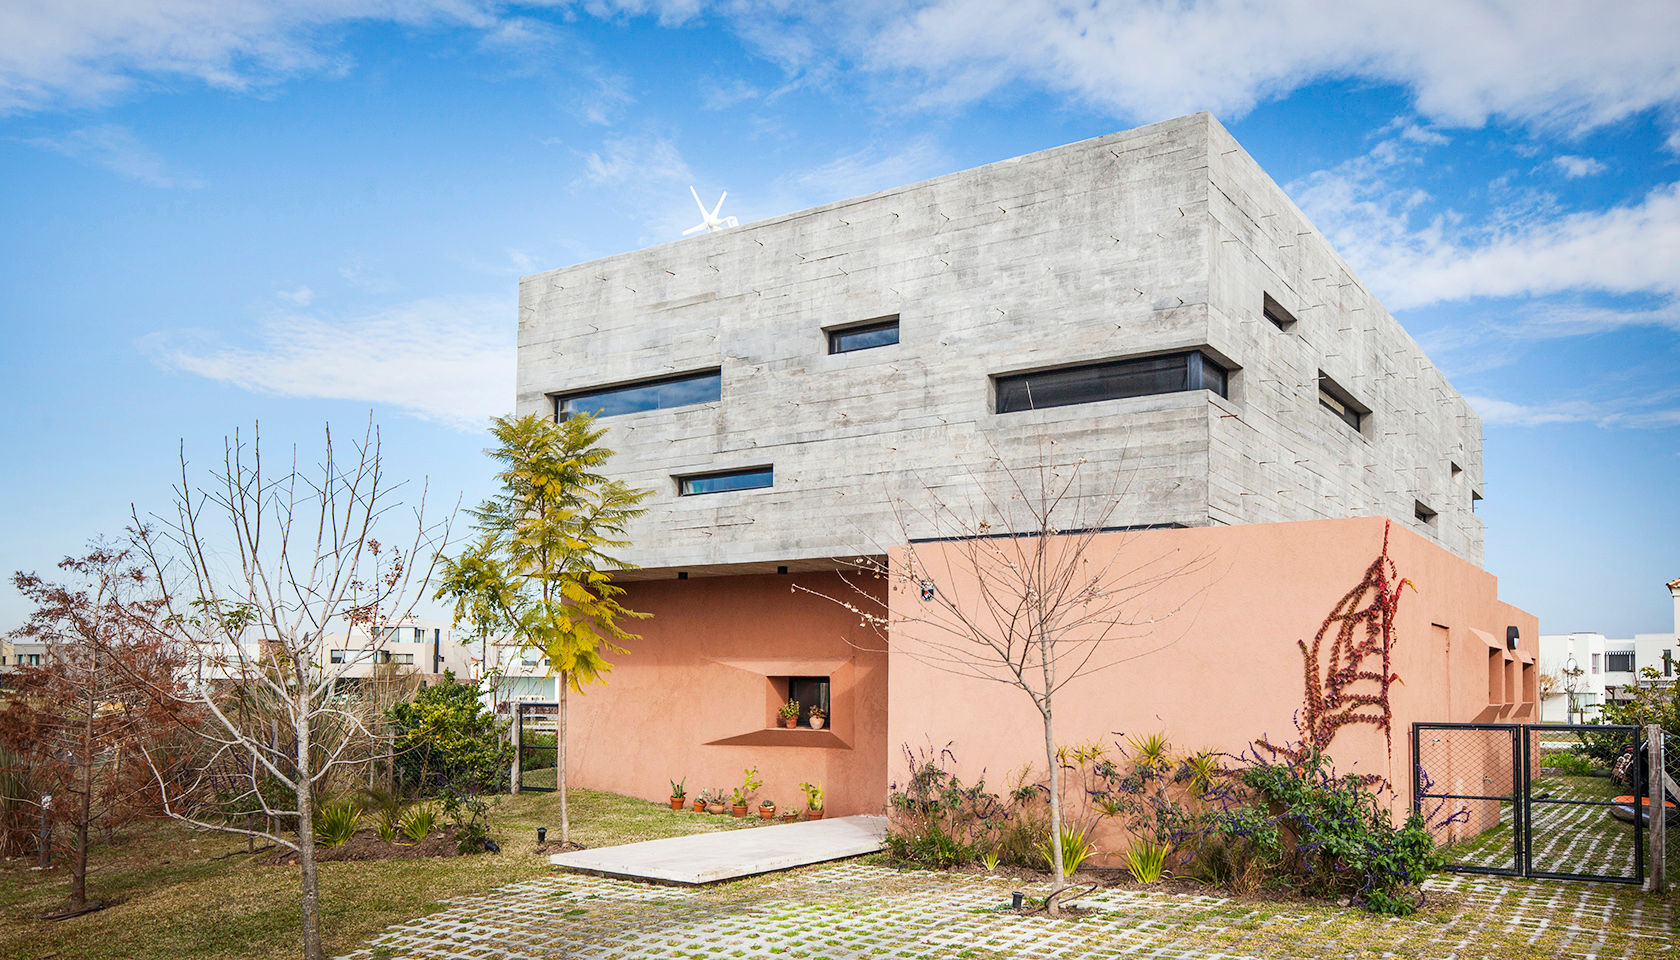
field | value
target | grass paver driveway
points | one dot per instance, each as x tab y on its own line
871	910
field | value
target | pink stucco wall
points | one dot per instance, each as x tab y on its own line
696	696
1227	669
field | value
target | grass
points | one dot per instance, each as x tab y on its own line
189	895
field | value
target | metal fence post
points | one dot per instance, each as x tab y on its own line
518	744
1657	782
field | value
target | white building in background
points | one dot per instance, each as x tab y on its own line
426	649
1591	669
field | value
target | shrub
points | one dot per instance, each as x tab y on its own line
444	735
336	822
1335	839
418	822
937	821
469	816
1076	847
1146	860
1571	764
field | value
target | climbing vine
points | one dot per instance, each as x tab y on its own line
1348	665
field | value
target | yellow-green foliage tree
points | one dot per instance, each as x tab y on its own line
542	565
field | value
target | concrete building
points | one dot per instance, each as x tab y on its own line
1149	305
1592	669
14	654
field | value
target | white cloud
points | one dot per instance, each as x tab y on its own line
118	150
869	170
643	159
301	297
1571	64
1638	412
1577	167
448	361
89	50
1371	216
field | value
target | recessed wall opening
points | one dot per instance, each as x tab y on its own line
879	332
747	478
1336	399
1455	472
1110	380
809	691
655	393
1273	311
1422	512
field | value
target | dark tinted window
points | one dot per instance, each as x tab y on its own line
748	479
1113	380
1333	398
1619	661
646	395
879	333
810	692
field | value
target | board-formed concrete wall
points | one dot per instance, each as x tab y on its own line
1107	248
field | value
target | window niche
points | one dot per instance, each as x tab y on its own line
809	692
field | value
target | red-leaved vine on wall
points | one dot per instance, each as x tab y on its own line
1348	664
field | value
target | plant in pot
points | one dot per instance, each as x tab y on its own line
813	801
818	716
679	794
790	814
766	809
788	714
750	781
714	801
700	802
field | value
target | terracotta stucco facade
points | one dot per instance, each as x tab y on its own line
695	697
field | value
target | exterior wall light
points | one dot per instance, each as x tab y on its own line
927	590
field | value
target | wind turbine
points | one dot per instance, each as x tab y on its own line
710	221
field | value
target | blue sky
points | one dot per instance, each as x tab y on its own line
295	211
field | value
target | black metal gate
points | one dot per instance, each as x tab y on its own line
1533	800
539	745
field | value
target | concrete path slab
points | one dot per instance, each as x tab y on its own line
732	854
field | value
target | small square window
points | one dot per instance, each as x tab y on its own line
810	692
337	656
1422	512
1332	397
1273	311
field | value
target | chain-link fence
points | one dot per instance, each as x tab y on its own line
1466	782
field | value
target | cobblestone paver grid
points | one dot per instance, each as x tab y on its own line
855	910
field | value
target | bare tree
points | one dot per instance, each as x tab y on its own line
1028	584
267	571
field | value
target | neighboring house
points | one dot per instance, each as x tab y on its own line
424	650
794	391
14	654
1605	669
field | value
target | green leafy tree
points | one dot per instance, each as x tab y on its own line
542	566
445	733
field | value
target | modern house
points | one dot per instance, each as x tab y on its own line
1148	307
420	651
1590	669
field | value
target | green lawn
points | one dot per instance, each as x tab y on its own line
185	894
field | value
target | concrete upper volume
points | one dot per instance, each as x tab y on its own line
1150	302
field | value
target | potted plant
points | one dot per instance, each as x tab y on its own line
738	804
788	714
790	814
678	794
714	802
700	802
813	801
766	809
817	718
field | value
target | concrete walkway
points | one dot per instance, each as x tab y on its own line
732	854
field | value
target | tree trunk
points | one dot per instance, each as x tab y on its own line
560	760
311	899
78	866
1057	880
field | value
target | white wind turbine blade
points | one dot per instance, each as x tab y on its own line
719	206
697	202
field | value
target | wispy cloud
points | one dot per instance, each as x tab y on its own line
639	159
1577	167
117	149
1375	216
1563	65
448	361
1636	412
876	167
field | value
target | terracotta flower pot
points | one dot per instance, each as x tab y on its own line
677	803
790	722
715	808
790	816
699	805
738	811
767	813
816	814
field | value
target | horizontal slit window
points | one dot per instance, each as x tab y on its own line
1280	318
1110	380
1422	512
862	336
656	394
751	478
1338	401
